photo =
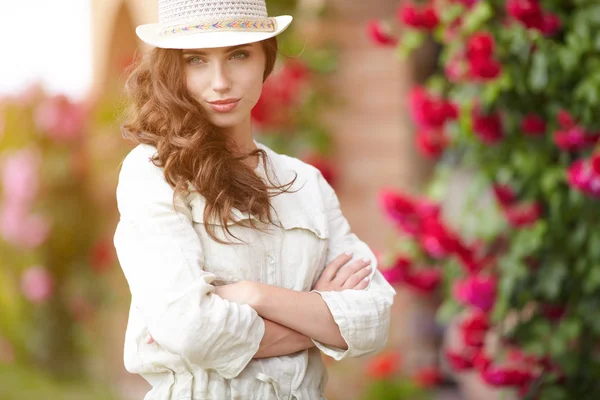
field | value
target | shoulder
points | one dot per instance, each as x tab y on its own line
138	162
282	162
142	184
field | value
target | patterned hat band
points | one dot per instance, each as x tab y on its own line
223	25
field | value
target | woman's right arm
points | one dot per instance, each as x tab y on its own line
162	259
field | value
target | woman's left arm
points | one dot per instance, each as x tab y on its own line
342	324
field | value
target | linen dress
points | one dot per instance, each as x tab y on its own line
204	344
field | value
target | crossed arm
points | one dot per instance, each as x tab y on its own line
292	317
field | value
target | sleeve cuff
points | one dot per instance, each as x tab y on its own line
342	322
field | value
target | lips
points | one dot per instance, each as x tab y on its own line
224	105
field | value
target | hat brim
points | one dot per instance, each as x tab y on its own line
150	34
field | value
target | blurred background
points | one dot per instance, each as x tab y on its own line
460	135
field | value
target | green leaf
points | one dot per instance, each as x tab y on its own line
411	39
538	78
475	19
551	277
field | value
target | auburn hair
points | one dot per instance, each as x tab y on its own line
191	149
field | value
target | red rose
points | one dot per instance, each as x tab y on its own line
487	127
431	143
474	328
523	214
428	111
504	194
424	281
582	176
480	45
380	33
426	18
484	68
383	365
459	362
504	376
533	125
428	377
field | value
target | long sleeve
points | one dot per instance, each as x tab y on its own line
162	259
363	316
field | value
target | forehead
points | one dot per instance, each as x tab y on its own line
220	50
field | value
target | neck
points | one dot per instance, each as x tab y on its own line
242	140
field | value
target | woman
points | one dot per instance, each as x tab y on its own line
241	266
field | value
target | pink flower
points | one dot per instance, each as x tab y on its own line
488	128
61	119
429	111
436	239
504	376
380	33
523	214
582	176
19	228
431	143
533	125
20	180
595	163
37	284
477	291
574	139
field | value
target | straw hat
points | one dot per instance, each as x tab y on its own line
195	24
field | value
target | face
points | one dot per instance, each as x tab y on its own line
226	82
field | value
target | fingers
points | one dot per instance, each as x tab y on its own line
362	284
359	278
351	269
149	339
332	268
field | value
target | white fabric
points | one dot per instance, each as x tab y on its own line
175	12
204	344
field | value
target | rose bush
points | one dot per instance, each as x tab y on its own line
515	103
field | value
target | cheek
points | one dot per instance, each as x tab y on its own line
193	84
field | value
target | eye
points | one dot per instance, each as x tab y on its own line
240	55
194	60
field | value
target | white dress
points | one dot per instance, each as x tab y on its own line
204	344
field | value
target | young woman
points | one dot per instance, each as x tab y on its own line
241	266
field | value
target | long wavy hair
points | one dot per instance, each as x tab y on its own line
191	150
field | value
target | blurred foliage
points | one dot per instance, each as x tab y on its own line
548	267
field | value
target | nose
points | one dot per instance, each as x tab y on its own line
220	80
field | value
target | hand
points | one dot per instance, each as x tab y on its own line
354	276
243	292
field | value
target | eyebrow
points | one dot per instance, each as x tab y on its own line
227	50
